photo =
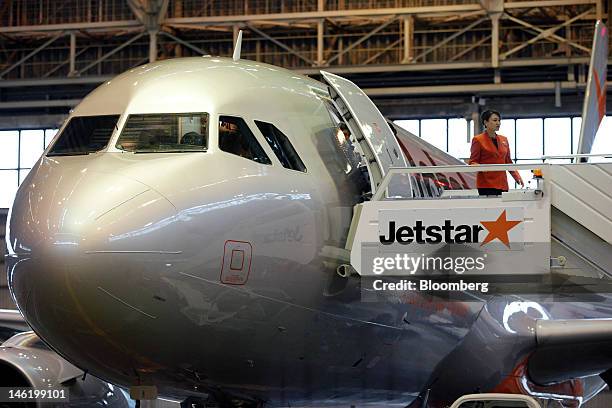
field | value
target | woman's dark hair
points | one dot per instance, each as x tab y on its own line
487	114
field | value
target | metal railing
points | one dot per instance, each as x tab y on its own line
382	188
577	156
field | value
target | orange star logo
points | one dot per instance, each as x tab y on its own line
499	229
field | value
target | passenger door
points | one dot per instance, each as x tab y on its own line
367	124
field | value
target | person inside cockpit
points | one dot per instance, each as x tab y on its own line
232	141
229	139
192	138
150	138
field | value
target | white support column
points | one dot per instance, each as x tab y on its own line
495	40
320	34
72	69
408	39
152	46
495	9
320	41
582	74
151	13
476	122
557	94
599	11
568	37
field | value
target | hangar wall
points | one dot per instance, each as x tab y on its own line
416	57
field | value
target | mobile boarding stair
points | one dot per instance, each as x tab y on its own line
565	216
565	219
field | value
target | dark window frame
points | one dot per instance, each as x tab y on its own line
253	144
64	141
181	148
285	147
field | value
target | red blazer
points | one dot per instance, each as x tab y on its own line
484	152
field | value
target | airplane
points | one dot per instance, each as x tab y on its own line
183	232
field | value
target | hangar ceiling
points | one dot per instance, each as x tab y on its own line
413	56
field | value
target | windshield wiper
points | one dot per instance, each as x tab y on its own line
68	153
171	151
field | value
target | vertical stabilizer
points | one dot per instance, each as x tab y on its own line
594	107
238	46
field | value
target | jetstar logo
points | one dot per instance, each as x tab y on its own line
601	95
450	233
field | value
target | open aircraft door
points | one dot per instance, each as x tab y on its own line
376	139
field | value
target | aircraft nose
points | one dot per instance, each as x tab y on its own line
75	242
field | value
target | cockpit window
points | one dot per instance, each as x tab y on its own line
165	132
84	135
235	137
282	147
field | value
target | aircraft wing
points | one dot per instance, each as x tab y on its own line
27	362
572	348
594	107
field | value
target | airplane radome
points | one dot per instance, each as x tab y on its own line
181	231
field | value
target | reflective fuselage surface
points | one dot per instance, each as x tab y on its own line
205	270
118	256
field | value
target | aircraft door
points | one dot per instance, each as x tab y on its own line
376	139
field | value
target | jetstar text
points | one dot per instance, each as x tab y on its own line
431	234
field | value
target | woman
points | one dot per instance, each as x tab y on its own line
491	148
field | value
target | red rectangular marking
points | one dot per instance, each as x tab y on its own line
236	262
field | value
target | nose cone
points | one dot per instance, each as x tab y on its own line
74	239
